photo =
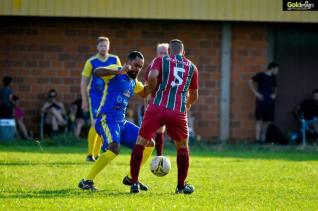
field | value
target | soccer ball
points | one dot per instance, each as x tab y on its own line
160	166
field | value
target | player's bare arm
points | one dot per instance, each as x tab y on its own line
152	79
192	98
84	84
105	71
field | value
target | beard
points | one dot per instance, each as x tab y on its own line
132	74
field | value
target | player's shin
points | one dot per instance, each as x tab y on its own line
135	161
183	165
103	160
97	146
146	154
91	139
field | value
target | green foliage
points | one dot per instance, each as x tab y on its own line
225	177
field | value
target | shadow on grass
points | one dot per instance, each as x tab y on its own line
24	163
71	192
243	151
54	164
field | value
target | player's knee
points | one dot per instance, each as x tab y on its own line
114	147
182	144
151	143
142	141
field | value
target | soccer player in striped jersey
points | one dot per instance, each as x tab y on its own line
92	88
161	51
174	81
120	86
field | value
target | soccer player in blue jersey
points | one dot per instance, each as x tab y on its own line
92	88
120	85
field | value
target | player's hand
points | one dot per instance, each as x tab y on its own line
273	96
259	96
126	68
84	105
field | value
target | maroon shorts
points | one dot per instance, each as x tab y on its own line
156	116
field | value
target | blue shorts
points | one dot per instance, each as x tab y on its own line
94	99
124	132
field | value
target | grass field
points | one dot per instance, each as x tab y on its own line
225	178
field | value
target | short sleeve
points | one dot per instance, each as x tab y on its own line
139	87
88	69
118	61
194	84
256	77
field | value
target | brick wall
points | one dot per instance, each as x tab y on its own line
48	53
249	55
45	53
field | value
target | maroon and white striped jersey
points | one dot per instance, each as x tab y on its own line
177	75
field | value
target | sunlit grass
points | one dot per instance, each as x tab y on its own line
226	178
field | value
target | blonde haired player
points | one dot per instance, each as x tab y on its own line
92	88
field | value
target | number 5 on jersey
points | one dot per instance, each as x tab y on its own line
177	78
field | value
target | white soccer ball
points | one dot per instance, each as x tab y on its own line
160	166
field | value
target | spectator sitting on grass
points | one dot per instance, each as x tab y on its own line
54	112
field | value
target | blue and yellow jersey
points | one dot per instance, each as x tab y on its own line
117	93
96	84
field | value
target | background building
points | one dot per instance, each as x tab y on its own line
44	44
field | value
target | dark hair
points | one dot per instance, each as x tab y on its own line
7	81
176	41
315	91
176	46
134	54
15	98
272	65
50	93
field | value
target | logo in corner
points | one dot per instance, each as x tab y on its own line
300	5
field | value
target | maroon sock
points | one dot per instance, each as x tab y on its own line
135	161
159	143
183	165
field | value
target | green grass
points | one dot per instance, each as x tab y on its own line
226	178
